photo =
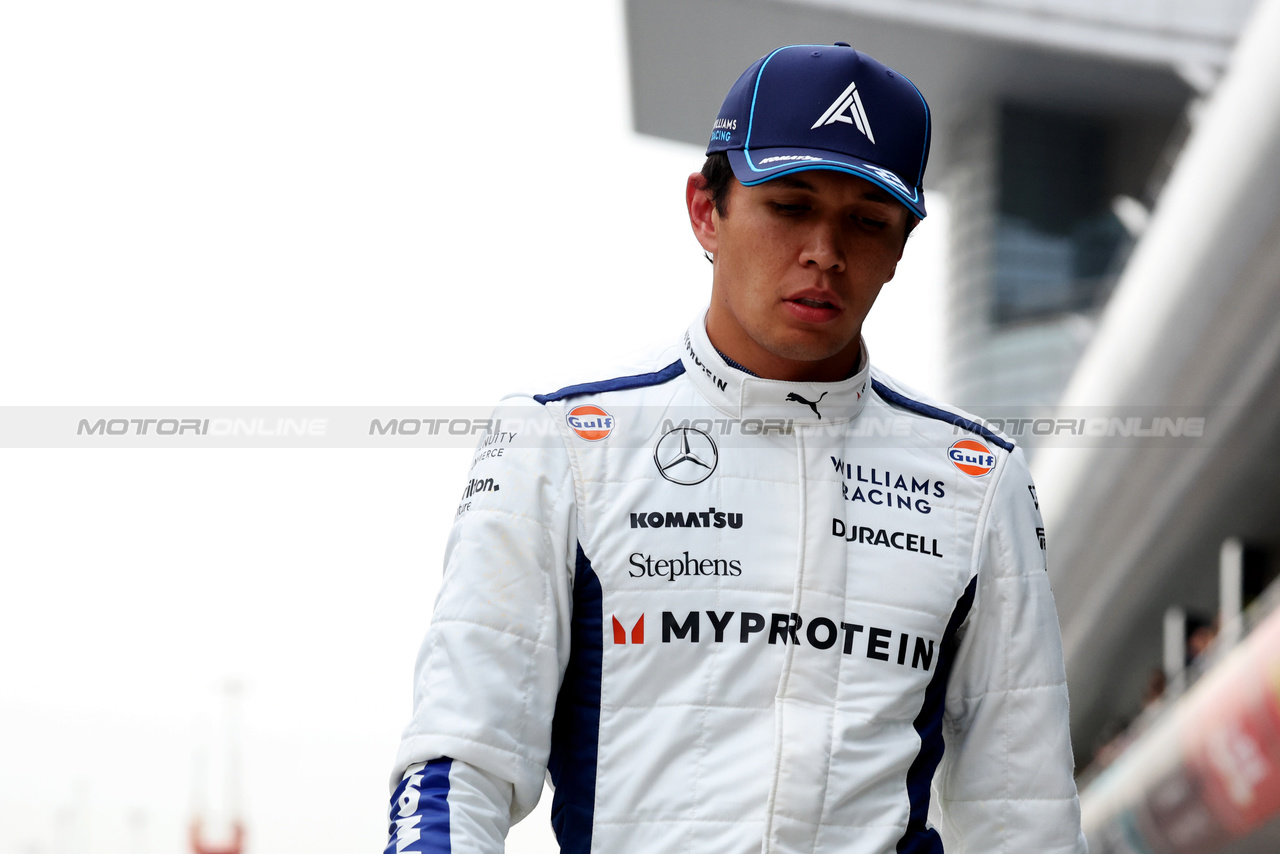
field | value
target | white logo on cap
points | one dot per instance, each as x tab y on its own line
848	109
789	157
888	177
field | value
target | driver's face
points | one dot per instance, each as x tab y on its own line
799	261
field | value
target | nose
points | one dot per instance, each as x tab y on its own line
823	249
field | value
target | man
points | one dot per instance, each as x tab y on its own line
754	596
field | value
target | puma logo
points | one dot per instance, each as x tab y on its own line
812	404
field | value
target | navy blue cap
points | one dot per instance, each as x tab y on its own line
826	107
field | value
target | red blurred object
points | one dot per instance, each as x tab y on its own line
199	846
1234	743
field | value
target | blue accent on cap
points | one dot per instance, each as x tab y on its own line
755	92
940	414
575	729
807	107
920	838
742	166
667	374
430	820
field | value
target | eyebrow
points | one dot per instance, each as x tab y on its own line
795	183
800	184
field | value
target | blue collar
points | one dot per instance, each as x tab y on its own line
731	363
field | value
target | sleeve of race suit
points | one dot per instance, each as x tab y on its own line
1006	783
473	759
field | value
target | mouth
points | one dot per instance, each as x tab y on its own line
814	303
813	309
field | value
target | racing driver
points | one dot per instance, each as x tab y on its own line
754	596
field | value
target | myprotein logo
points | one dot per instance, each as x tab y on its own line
709	518
620	631
701	365
876	643
972	457
901	540
682	566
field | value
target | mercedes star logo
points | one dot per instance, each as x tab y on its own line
686	456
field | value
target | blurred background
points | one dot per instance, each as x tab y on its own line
286	204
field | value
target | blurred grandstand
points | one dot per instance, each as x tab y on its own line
1113	172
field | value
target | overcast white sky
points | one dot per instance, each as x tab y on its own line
285	203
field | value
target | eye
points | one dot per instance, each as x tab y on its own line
789	210
871	222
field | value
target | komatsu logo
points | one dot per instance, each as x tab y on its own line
710	518
876	643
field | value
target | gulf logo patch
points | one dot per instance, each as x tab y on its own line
590	422
971	457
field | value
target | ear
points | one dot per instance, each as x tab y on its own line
702	212
894	271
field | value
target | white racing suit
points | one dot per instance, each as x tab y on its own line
732	615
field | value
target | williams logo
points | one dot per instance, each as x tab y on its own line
848	109
972	457
711	518
686	456
722	130
590	422
812	404
881	488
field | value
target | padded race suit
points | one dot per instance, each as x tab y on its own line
734	615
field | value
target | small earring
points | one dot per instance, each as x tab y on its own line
707	255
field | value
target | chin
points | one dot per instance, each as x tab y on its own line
806	349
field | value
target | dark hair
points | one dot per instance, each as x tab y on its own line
719	176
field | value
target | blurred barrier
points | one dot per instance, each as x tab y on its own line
1206	772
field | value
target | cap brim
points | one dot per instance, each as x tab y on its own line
764	164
